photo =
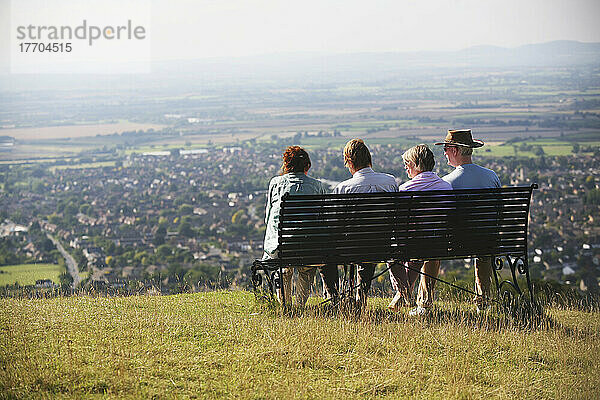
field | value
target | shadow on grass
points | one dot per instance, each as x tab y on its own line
518	314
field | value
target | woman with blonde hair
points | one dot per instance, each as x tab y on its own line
293	179
419	163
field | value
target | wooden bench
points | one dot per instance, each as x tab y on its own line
348	229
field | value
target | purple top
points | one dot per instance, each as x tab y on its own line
425	181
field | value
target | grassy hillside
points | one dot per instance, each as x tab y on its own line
223	344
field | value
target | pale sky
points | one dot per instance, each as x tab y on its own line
193	29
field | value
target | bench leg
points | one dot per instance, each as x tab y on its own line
524	270
518	264
497	265
256	278
267	275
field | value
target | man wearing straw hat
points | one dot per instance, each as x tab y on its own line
458	149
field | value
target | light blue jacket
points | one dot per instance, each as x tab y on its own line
472	176
294	183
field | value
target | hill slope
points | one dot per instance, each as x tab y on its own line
222	344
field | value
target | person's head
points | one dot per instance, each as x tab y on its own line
418	159
356	155
295	159
458	146
457	155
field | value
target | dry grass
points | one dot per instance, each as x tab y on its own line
224	344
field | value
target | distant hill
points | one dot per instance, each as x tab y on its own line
558	53
326	67
320	68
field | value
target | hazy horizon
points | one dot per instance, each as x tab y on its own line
192	30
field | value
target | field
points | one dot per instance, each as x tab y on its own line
551	147
383	120
225	345
85	165
27	274
75	131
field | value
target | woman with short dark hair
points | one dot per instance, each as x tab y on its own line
293	179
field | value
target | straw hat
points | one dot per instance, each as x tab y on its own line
461	137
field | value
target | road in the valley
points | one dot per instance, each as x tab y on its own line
70	261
